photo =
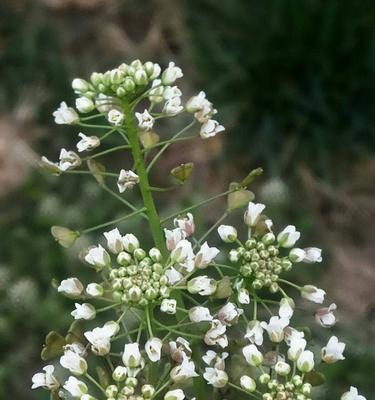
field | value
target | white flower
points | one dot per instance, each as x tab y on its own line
131	356
197	103
75	387
171	73
210	129
253	212
229	314
183	371
98	257
130	242
73	362
243	296
297	255
248	383
87	143
127	180
172	107
156	93
182	252
179	349
199	314
173	237
313	294
145	120
104	103
84	311
168	306
79	85
171	91
186	224
275	328
202	285
227	233
296	346
333	351
65	115
215	377
216	334
153	349
205	255
45	379
68	160
115	117
282	368
77	348
325	316
114	241
254	333
100	338
71	287
313	255
212	359
286	308
173	276
252	355
84	104
94	290
288	237
176	394
305	362
352	395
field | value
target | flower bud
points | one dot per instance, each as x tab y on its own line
71	287
264	379
129	84
119	374
282	368
148	391
253	212
288	237
155	254
98	257
94	290
130	242
111	391
248	383
252	355
313	294
176	394
131	356
227	233
84	105
124	258
140	77
305	362
96	78
297	255
80	85
170	74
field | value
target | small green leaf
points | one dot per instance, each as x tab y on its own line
53	346
315	378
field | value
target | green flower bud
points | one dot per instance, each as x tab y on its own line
274	288
132	382
96	78
264	379
111	391
139	254
140	77
257	284
129	84
155	255
297	380
135	293
121	92
119	374
148	391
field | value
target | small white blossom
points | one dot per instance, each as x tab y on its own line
68	160
84	104
114	241
127	180
104	103
275	328
254	333
313	255
153	349
205	255
75	387
215	377
87	143
73	362
171	91
296	346
98	257
313	294
46	379
115	117
248	383
100	338
202	285
179	349
183	371
297	255
229	314
286	308
333	351
216	335
94	290
325	316
305	362
176	394
168	306
84	311
171	74
186	224
172	107
352	395
182	252
130	242
200	314
253	212
210	129
71	287
212	359
119	374
131	356
288	237
173	276
227	233
198	103
145	120
65	115
172	237
243	296
156	93
252	355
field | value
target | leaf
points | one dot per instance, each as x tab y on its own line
315	378
53	346
75	332
97	170
103	376
183	172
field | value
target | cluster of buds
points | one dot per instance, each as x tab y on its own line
260	259
127	390
294	389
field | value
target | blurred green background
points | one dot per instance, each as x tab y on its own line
294	83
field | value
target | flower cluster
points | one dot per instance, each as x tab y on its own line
154	321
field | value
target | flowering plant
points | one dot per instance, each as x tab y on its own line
182	319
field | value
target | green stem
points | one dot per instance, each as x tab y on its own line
97	384
144	185
148	319
290	284
102	153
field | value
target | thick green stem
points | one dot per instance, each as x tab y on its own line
144	185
